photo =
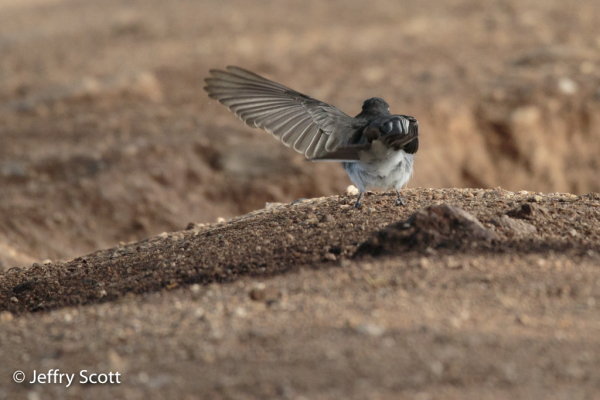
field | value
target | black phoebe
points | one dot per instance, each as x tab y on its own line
376	148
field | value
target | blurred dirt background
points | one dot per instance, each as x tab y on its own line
106	137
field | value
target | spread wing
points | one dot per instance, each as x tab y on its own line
310	126
398	132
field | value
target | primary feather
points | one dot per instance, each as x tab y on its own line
309	126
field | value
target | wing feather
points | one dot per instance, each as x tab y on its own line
305	139
310	126
295	132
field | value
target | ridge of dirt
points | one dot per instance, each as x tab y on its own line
284	238
430	228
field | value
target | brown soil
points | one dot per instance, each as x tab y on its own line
108	139
277	304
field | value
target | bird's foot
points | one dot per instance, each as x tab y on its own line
358	205
400	200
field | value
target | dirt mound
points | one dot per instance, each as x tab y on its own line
318	232
273	302
433	227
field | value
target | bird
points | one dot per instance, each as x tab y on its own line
376	148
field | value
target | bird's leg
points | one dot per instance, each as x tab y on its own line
400	200
358	204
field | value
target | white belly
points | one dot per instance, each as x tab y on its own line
381	168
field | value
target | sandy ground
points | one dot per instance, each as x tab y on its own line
108	139
280	304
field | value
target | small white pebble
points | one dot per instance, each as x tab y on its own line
541	262
352	190
240	312
195	288
567	85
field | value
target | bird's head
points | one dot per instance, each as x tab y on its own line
375	105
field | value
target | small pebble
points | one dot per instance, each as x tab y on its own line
352	191
261	292
199	313
567	85
327	218
258	293
195	288
194	226
330	257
